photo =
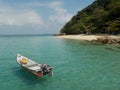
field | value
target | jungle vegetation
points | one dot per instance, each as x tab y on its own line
101	17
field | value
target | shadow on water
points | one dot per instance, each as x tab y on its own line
108	48
72	41
27	77
115	49
118	47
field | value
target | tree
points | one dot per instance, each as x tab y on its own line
103	16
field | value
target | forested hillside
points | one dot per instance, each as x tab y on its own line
101	17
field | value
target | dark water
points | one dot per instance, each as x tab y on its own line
77	65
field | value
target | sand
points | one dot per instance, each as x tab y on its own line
87	37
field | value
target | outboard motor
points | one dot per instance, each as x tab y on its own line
47	70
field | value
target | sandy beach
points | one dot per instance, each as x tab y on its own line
88	37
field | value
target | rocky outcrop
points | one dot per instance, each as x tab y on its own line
108	40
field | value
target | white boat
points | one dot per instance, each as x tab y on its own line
34	67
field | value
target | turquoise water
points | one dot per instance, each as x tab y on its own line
77	65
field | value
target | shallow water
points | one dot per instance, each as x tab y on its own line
77	65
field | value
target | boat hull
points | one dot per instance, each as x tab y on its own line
32	72
33	67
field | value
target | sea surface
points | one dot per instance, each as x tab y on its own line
77	65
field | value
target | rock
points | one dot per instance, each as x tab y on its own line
108	40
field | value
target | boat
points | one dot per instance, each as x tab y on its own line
37	69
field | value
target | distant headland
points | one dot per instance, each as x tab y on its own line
101	17
99	22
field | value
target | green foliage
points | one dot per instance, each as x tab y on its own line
114	26
103	16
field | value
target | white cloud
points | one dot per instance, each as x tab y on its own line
15	17
22	17
29	17
55	4
61	15
38	4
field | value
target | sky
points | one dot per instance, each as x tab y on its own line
37	16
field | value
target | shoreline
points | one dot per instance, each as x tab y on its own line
110	39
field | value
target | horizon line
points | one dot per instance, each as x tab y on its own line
25	34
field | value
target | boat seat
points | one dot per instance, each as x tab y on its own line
31	65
